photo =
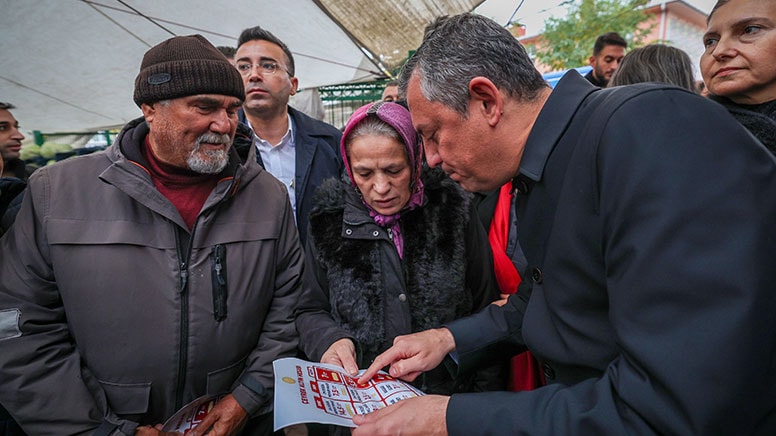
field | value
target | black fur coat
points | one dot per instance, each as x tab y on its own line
760	119
360	288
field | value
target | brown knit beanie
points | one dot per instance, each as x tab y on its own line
185	65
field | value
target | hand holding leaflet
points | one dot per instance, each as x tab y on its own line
185	419
327	394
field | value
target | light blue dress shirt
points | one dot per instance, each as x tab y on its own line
280	159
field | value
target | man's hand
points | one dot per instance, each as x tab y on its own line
342	353
226	418
412	354
413	416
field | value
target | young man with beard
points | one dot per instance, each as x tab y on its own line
608	51
138	279
299	150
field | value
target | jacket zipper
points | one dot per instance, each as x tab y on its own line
184	326
218	274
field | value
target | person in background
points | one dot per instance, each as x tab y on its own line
631	218
393	249
700	88
11	144
10	188
138	279
608	50
391	91
13	181
228	52
655	63
298	150
739	63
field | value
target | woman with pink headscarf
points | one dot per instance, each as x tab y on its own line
393	248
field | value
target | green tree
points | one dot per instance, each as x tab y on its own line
568	42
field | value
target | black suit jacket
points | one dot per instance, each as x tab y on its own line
317	159
647	219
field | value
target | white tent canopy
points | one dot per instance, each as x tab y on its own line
70	65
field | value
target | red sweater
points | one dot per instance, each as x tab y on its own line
186	189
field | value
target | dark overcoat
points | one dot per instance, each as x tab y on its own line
646	215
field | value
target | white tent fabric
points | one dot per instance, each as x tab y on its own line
70	65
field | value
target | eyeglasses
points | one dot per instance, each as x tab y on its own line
266	68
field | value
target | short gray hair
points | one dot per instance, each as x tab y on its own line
455	49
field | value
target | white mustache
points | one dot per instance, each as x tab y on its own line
213	138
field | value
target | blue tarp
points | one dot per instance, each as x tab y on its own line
553	77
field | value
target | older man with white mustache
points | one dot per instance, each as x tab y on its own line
139	279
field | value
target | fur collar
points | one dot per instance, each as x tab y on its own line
362	271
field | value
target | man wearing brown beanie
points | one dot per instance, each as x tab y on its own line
162	270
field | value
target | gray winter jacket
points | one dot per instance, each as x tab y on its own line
113	314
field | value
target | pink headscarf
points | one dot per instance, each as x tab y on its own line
398	117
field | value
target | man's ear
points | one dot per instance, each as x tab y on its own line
149	111
294	85
486	98
591	61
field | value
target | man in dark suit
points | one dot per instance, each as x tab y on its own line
646	217
298	150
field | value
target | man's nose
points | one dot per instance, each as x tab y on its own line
256	73
222	122
432	156
17	134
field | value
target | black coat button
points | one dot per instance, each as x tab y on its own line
521	185
549	373
536	276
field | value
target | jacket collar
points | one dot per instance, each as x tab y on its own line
354	212
303	124
10	187
555	116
